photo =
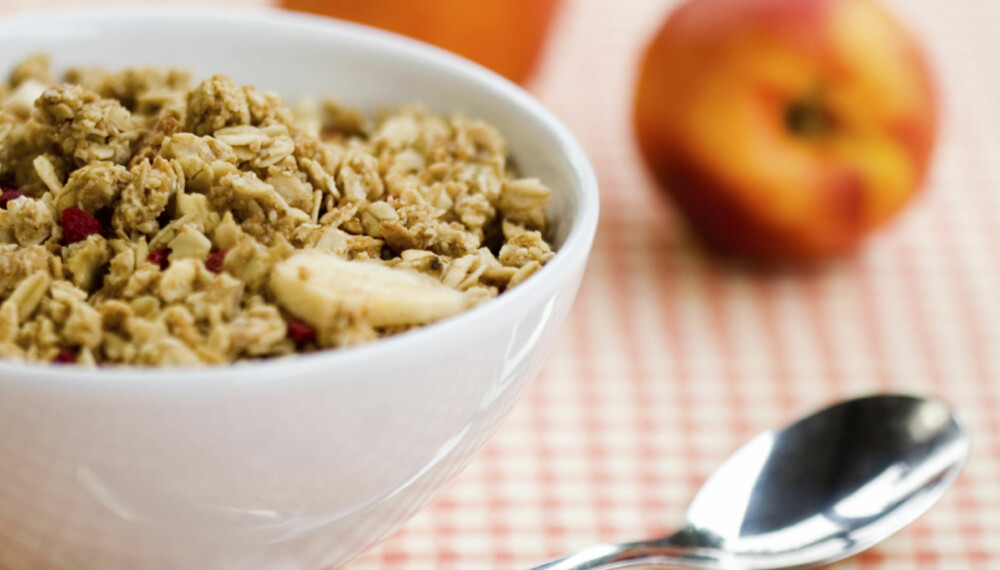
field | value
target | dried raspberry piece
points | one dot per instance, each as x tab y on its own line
214	261
64	357
9	195
77	225
158	257
301	332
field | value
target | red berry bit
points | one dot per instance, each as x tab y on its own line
77	225
214	261
158	257
9	195
64	357
300	332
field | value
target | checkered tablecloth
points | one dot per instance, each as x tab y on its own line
669	361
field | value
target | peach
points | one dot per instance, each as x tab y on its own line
786	129
508	36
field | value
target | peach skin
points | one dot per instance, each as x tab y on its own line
508	36
786	129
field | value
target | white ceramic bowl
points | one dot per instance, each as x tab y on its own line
305	462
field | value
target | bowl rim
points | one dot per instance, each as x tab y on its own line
576	245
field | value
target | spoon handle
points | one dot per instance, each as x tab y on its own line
630	555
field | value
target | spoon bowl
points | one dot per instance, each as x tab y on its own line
824	488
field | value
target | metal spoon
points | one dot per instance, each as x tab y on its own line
822	489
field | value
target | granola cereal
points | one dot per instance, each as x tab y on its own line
149	220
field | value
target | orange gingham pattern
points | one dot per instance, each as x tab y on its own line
669	362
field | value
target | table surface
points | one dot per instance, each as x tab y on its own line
669	360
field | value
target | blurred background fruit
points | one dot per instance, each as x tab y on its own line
785	129
507	36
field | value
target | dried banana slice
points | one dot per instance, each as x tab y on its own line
317	287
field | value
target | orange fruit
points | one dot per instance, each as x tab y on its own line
506	36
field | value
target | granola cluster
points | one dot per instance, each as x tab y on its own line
144	221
